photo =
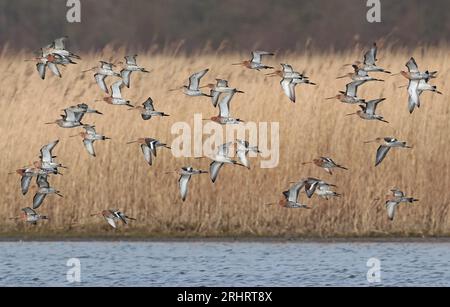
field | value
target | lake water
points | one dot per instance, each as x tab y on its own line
224	264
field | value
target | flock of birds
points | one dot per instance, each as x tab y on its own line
221	94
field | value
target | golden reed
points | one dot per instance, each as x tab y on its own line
234	205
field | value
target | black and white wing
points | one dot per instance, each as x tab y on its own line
100	79
194	80
183	183
381	154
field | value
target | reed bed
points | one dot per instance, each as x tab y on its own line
235	204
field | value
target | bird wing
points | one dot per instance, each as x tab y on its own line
215	97
288	88
310	187
106	65
116	89
59	43
54	69
41	69
224	149
413	92
100	79
46	151
126	76
29	211
90	129
214	169
148	104
25	184
242	155
147	153
183	183
110	221
381	154
257	56
287	68
294	191
131	59
352	88
69	115
412	66
38	199
89	145
371	105
194	80
42	181
391	205
371	56
224	104
221	83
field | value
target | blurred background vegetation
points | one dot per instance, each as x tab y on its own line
225	24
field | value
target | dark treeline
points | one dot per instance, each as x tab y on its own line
228	24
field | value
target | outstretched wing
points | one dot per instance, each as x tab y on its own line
412	66
381	154
38	199
242	155
89	145
100	79
257	56
391	206
413	95
183	183
54	69
371	56
131	59
352	88
294	191
288	88
116	88
25	184
214	169
126	77
148	104
41	69
194	80
147	153
46	152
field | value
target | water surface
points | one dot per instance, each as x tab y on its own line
223	264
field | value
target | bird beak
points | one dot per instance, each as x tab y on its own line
50	123
132	142
330	98
341	77
236	64
367	142
176	89
350	114
72	136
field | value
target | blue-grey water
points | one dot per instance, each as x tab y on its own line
223	264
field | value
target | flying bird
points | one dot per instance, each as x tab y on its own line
386	144
147	110
256	61
326	163
89	137
368	109
130	65
290	197
113	215
185	176
44	189
148	147
243	148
